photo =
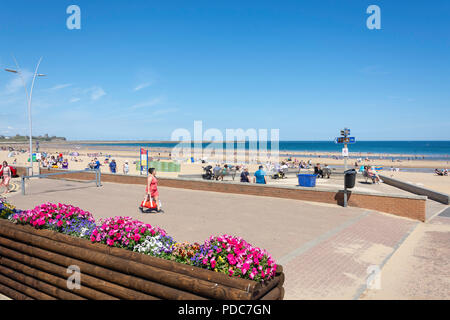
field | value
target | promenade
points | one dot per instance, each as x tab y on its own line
325	249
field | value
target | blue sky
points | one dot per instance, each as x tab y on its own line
141	69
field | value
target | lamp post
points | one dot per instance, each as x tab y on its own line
29	97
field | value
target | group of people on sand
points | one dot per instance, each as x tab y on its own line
95	165
56	162
443	172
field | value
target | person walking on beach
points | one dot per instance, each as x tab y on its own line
113	166
260	176
6	176
126	167
152	188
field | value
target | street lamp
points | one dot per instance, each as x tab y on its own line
29	97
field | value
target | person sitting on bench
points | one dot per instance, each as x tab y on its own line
318	171
326	171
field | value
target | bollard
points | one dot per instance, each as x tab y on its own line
345	196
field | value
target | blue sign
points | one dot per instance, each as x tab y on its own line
348	140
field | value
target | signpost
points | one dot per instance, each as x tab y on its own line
144	160
345	139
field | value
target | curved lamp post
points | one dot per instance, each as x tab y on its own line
29	97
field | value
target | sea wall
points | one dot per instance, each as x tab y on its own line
434	195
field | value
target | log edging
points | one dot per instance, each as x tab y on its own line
111	273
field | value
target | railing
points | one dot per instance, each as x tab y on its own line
98	177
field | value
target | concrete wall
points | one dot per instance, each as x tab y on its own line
434	195
412	207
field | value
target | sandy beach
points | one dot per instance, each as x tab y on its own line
131	154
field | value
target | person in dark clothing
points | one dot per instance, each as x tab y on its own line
318	170
245	175
113	166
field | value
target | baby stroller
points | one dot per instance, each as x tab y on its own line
278	174
148	205
208	175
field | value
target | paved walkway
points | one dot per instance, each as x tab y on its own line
326	250
420	268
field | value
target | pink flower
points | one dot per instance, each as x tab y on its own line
231	259
110	242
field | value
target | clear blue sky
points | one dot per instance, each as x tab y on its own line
140	69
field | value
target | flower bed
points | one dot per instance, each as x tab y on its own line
6	209
235	257
58	217
223	267
225	254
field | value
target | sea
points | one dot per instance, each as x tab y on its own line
426	150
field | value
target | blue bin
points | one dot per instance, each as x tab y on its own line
307	180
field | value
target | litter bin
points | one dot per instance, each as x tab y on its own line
349	178
307	180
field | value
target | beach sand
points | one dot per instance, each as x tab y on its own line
131	154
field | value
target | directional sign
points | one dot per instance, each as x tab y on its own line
348	140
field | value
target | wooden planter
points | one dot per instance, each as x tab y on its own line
33	265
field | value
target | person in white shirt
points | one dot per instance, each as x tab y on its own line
126	167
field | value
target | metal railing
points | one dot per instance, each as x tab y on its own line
98	176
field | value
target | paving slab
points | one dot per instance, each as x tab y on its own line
325	249
419	269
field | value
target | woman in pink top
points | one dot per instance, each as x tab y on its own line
6	176
152	187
